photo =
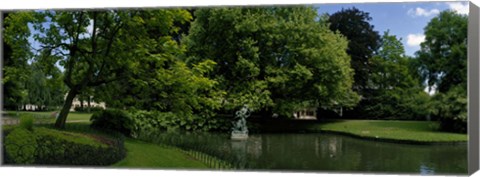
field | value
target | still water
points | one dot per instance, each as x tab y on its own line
337	153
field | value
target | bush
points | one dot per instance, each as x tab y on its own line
20	146
112	119
452	110
51	147
151	121
57	151
26	121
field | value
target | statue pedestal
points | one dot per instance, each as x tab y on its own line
239	136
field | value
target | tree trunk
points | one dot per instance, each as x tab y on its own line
89	105
62	117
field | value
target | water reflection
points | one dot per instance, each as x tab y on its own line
425	170
340	153
326	152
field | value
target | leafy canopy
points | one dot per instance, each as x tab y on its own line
277	58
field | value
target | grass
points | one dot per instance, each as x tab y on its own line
139	154
78	138
72	116
413	131
422	131
145	155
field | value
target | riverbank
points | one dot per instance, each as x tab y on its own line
411	132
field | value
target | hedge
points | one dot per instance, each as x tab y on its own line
37	147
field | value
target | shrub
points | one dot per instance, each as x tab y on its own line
51	147
20	146
58	151
112	119
148	121
452	110
26	121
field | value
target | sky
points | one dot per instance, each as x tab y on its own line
406	20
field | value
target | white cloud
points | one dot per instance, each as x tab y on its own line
459	7
422	12
414	40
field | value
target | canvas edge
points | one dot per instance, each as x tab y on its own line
473	88
1	88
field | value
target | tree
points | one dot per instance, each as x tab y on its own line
101	47
276	59
363	42
173	87
44	90
443	54
395	91
442	62
16	53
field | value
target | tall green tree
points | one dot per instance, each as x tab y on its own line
16	53
101	47
442	63
443	54
275	59
363	42
395	91
45	89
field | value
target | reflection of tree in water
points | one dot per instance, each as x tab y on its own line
330	153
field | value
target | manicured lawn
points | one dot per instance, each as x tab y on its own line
145	155
72	116
421	131
399	130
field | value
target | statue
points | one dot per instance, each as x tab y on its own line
239	129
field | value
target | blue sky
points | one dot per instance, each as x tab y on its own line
406	20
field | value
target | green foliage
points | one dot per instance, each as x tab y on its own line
20	146
44	146
15	72
272	58
45	90
394	91
363	42
112	119
451	109
443	55
27	121
57	151
155	121
91	57
442	60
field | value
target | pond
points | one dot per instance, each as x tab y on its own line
335	153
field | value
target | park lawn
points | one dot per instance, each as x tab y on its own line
422	131
146	155
72	116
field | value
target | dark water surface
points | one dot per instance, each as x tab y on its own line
337	153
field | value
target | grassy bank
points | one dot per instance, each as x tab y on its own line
145	155
401	131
